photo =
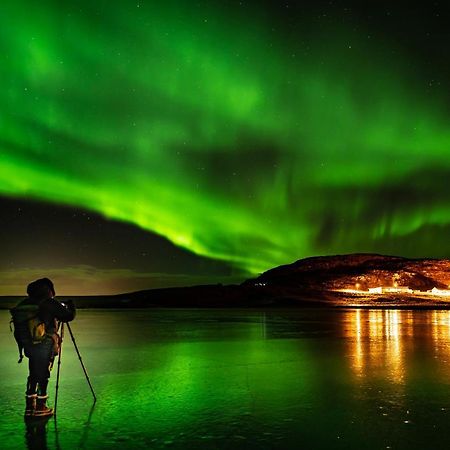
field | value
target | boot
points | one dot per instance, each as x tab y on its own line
41	408
30	405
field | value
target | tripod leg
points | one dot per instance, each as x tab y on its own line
81	361
59	367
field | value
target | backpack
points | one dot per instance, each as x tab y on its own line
28	327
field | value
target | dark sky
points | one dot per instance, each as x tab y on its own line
148	144
78	246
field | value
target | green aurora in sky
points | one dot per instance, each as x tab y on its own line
214	129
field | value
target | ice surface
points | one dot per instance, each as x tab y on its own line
311	379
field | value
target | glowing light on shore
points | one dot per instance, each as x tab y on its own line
386	290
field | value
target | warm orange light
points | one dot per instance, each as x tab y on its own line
396	289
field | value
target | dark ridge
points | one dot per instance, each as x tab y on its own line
316	281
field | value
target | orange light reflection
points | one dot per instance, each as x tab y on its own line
375	337
383	342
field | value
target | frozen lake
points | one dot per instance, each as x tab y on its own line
218	379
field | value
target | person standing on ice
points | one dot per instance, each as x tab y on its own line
36	322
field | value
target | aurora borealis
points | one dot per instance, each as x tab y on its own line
248	133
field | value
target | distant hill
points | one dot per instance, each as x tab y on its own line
316	281
364	270
340	280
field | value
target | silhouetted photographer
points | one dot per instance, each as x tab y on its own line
36	323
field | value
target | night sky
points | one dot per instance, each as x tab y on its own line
147	144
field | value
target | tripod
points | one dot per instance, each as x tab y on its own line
59	364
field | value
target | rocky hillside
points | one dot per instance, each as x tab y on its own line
357	271
309	282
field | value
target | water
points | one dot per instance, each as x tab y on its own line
202	379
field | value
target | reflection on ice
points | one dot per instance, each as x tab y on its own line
376	341
382	341
36	432
244	379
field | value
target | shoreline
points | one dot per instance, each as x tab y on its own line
256	307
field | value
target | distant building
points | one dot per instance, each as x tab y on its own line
390	290
376	290
436	291
398	289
